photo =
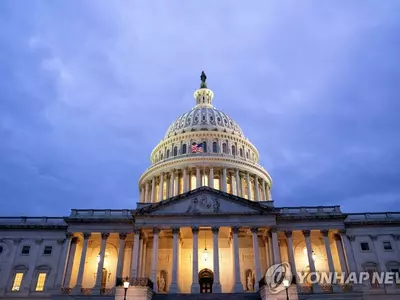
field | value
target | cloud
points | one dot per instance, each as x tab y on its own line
88	90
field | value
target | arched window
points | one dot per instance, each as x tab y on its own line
247	154
241	152
204	146
233	150
168	153
215	147
224	148
162	156
184	149
175	151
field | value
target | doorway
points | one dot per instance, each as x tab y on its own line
206	279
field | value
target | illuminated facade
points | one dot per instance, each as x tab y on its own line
205	222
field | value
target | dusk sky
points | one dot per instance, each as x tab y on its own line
88	88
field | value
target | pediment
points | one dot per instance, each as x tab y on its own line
204	201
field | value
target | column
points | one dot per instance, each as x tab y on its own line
171	184
249	195
348	250
176	181
396	238
381	263
146	193
195	288
63	261
211	178
265	197
268	192
104	237
135	253
121	251
27	280
254	230
153	190
161	188
153	278
238	287
79	281
238	189
325	234
291	254
224	186
198	177
144	259
311	264
257	192
275	245
185	181
173	288
342	258
70	263
216	284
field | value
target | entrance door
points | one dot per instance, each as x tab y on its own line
206	279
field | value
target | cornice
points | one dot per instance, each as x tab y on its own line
35	227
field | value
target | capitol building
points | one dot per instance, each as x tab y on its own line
206	222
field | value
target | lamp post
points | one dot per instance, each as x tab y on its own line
126	286
286	285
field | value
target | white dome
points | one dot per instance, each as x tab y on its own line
203	119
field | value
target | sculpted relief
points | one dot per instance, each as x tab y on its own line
204	204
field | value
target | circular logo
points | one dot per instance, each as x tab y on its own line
275	276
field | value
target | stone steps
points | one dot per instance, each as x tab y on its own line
213	296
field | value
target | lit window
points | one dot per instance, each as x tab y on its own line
387	246
40	282
216	183
193	182
17	282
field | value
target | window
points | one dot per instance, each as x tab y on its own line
17	282
387	245
47	250
184	148
241	152
215	149
205	146
175	151
233	150
162	156
26	250
364	246
40	282
224	148
168	153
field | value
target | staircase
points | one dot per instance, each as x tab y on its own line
213	296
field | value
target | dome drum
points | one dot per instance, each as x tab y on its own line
228	160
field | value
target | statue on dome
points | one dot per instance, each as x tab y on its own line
203	78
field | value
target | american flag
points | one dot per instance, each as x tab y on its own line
197	147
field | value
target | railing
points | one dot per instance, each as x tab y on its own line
100	213
310	209
138	281
42	221
368	217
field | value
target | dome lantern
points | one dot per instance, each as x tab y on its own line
203	96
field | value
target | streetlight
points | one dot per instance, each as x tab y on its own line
126	286
286	285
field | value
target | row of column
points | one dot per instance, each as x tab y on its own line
246	185
69	250
344	250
